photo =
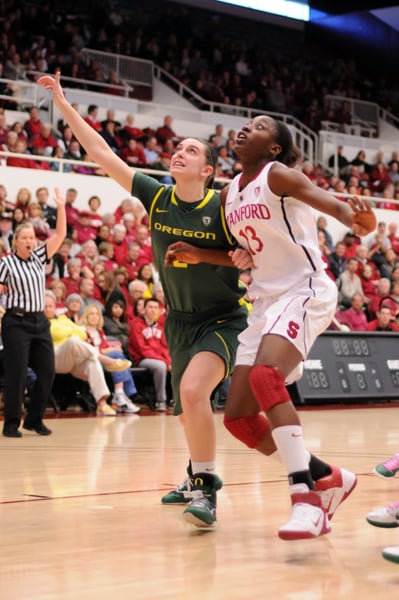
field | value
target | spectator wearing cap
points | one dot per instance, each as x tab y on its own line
84	230
163	164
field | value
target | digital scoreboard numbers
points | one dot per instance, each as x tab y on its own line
344	367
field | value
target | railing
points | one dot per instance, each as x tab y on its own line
62	162
364	115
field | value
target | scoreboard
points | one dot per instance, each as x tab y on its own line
348	367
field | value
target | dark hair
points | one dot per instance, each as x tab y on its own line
147	300
289	154
109	305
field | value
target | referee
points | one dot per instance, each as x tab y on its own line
25	329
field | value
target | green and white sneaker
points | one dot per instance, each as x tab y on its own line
202	510
391	553
389	468
182	494
385	517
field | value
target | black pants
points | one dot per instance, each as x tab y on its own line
27	342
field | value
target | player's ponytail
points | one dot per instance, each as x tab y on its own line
211	159
290	154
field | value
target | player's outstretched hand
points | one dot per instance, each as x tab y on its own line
59	197
53	85
363	218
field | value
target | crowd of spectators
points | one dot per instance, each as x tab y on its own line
367	277
224	60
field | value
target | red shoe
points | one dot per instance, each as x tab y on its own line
335	488
308	519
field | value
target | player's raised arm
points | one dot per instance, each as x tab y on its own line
91	141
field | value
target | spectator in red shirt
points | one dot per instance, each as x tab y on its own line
94	203
384	321
33	125
129	222
148	348
83	228
354	317
106	254
72	212
144	240
369	283
119	242
72	280
132	261
91	117
88	254
44	142
382	293
126	206
131	130
133	154
351	242
166	132
25	163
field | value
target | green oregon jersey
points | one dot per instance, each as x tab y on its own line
189	288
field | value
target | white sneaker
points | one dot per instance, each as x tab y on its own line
131	407
385	517
391	553
308	519
160	406
124	404
335	488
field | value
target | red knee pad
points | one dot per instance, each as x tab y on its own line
268	387
249	430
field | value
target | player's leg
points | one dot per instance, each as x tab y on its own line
276	358
202	375
244	421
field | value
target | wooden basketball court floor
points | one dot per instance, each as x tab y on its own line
81	516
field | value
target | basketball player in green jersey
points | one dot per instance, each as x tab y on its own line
205	315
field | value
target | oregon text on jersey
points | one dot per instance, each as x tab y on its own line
188	233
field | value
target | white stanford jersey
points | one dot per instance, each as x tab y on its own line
281	229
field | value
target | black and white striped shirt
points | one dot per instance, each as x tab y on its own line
25	280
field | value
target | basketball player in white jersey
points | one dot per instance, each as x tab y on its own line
269	211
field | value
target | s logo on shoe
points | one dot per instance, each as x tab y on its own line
292	330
